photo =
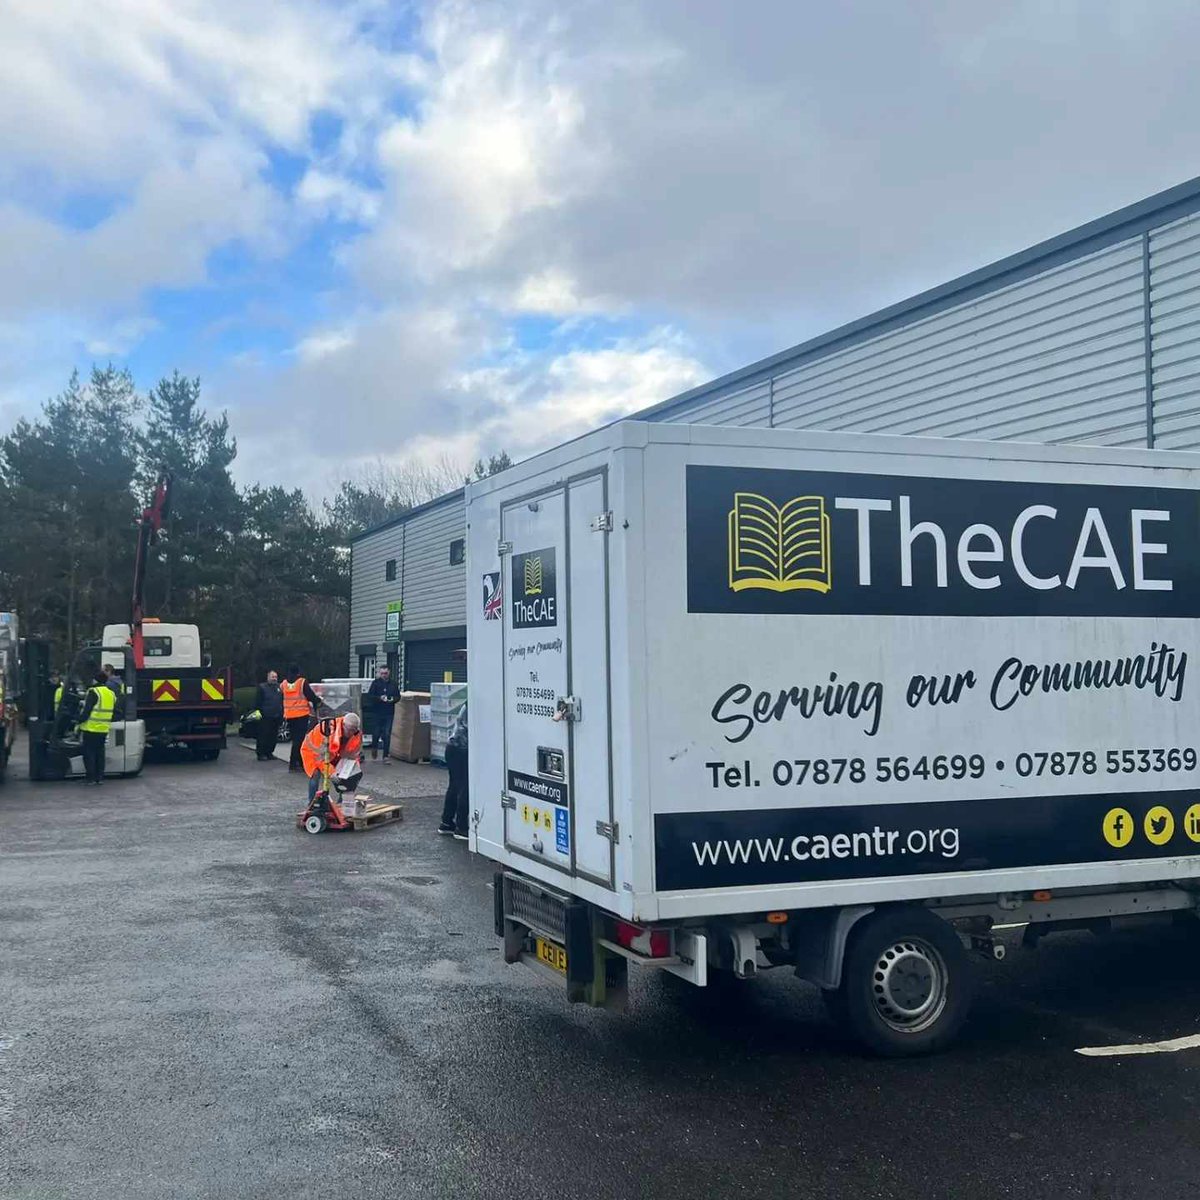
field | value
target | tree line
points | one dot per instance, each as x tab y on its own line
263	571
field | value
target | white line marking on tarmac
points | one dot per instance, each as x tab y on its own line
1191	1042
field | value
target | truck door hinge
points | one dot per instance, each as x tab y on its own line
507	801
611	831
503	548
603	523
568	708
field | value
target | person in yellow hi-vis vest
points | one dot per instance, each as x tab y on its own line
94	720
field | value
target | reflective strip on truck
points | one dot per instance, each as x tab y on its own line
163	690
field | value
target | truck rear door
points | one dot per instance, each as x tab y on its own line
557	796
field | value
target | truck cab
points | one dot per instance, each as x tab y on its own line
167	645
183	700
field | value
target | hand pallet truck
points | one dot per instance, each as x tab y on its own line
324	811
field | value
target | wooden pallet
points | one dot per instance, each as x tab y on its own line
377	814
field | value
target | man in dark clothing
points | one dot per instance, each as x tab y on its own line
270	713
454	810
381	710
113	681
300	703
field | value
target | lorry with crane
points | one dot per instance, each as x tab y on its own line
170	694
181	697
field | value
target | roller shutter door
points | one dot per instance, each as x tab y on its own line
426	662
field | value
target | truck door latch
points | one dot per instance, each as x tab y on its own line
567	708
611	831
603	522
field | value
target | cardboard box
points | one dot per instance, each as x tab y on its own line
410	735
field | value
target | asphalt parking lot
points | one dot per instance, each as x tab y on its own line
198	1000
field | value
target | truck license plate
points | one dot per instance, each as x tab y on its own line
551	954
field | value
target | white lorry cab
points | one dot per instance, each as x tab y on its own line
166	644
183	700
837	704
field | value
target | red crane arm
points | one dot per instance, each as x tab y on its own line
149	524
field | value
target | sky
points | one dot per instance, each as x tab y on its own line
386	230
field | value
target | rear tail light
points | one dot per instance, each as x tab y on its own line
652	943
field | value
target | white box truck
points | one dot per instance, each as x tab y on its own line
749	698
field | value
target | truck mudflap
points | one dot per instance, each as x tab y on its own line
561	938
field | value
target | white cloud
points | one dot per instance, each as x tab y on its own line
324	343
554	293
327	194
95	90
118	339
177	214
746	175
537	402
391	385
486	147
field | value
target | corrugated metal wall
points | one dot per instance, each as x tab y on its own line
370	592
1058	357
742	406
1175	332
433	589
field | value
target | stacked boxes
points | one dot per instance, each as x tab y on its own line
410	735
341	696
446	700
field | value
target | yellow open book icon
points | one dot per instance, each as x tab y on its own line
533	576
781	548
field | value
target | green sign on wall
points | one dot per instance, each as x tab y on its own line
391	621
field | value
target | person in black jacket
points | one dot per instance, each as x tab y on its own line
454	810
270	707
382	697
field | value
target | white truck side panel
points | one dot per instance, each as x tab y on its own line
691	653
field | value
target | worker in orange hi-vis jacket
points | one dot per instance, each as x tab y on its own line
329	742
300	703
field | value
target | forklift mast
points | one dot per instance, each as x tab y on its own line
149	524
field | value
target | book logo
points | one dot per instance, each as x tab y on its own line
779	547
533	575
534	584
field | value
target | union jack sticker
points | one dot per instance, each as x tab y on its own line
493	596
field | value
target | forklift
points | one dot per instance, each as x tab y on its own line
55	748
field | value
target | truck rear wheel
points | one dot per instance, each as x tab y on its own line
906	983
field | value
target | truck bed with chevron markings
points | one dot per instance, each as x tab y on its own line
186	705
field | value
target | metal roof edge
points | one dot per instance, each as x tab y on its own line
405	517
1159	209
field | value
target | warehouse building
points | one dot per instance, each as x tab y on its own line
1093	337
408	595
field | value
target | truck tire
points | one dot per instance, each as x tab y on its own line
906	983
